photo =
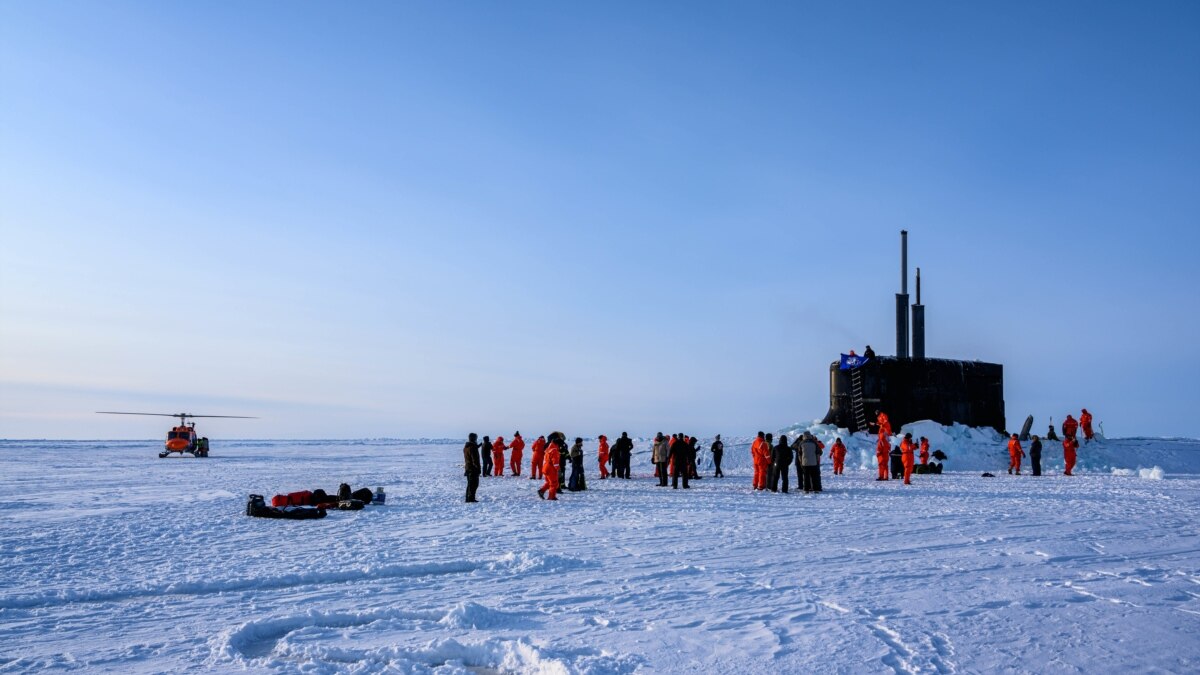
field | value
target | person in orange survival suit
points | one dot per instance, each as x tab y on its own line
1069	427
883	448
1070	445
1085	423
539	452
766	463
885	425
908	448
1015	453
671	454
838	455
924	450
550	471
602	455
518	448
498	448
756	455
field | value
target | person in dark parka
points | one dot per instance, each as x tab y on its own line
692	450
614	458
1035	456
781	456
471	466
679	462
576	481
772	465
486	450
772	479
718	451
565	454
897	462
810	461
623	450
660	457
798	454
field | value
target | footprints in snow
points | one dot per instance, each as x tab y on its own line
334	639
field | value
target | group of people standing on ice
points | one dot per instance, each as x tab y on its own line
491	458
548	463
674	458
773	462
676	455
1070	443
899	461
906	453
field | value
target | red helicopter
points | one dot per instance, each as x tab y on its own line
182	438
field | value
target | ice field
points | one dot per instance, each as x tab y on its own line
115	560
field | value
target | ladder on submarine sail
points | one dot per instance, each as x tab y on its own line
856	399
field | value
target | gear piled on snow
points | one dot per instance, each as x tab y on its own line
296	502
257	507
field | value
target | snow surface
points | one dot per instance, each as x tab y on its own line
114	560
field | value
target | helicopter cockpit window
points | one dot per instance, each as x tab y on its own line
172	435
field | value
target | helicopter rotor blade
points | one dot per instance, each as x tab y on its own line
241	417
105	412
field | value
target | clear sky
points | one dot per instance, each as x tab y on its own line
425	218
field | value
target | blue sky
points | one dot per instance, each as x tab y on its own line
423	219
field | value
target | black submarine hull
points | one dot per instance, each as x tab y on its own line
945	391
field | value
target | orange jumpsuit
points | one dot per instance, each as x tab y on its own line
924	450
838	455
550	471
539	450
907	448
602	455
671	461
1070	426
498	449
1070	445
885	426
882	449
517	447
758	454
1015	453
1085	422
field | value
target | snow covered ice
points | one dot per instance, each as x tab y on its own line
115	560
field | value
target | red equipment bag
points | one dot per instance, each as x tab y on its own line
302	498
